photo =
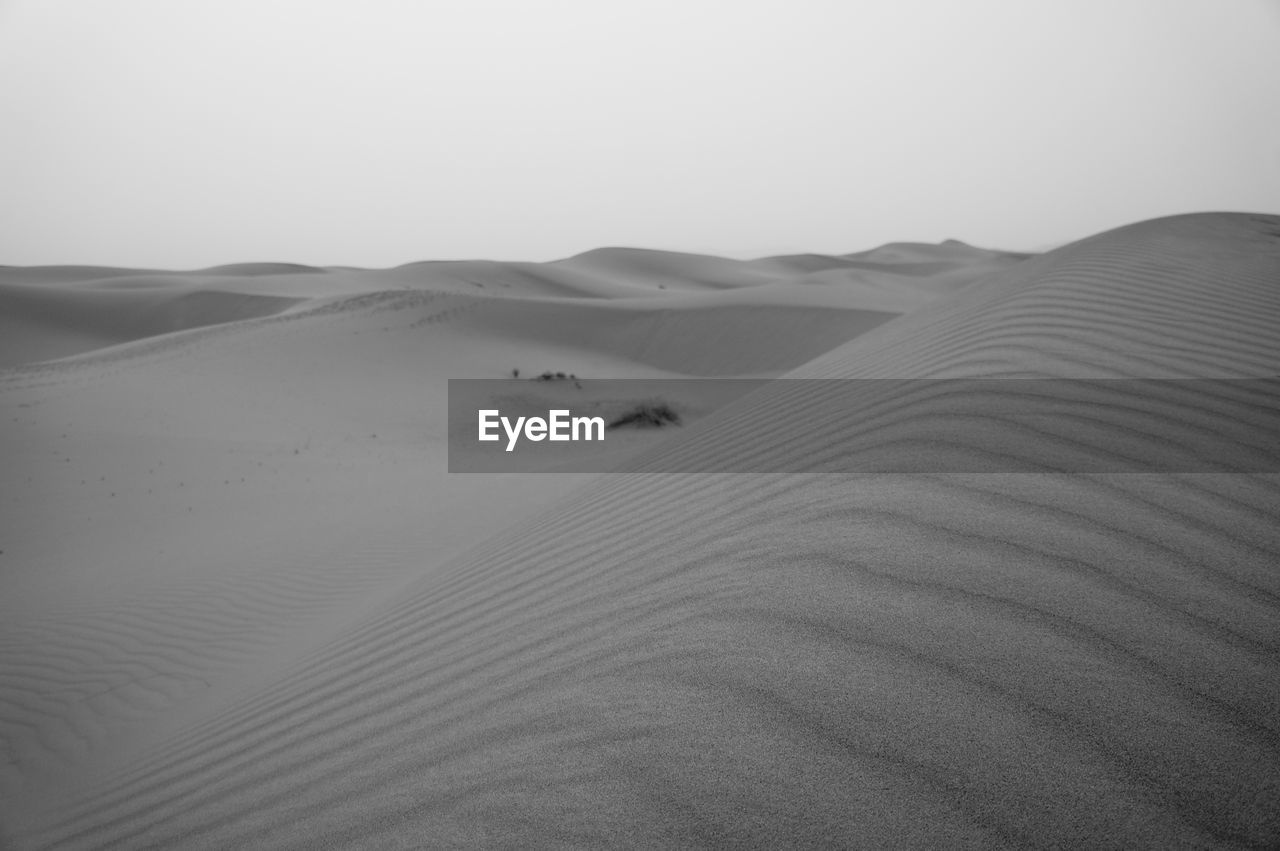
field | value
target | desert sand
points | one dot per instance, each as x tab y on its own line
243	604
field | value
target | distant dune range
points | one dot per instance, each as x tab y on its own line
242	606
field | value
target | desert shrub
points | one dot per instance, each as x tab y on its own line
556	376
647	415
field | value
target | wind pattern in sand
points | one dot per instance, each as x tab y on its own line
680	660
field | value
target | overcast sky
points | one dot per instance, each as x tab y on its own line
185	133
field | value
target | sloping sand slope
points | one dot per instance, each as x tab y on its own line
260	456
45	322
683	660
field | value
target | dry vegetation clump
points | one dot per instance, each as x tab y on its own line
548	375
647	415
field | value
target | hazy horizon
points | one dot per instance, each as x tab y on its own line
164	135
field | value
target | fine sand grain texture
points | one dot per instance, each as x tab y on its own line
242	605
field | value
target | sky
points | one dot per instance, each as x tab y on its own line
184	133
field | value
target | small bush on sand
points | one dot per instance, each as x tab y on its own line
647	415
556	376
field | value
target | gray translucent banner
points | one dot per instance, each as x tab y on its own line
558	423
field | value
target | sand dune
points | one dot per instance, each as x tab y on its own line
253	270
166	453
47	322
347	648
52	312
665	268
686	335
69	274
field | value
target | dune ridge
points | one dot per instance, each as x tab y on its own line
929	660
54	312
46	323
